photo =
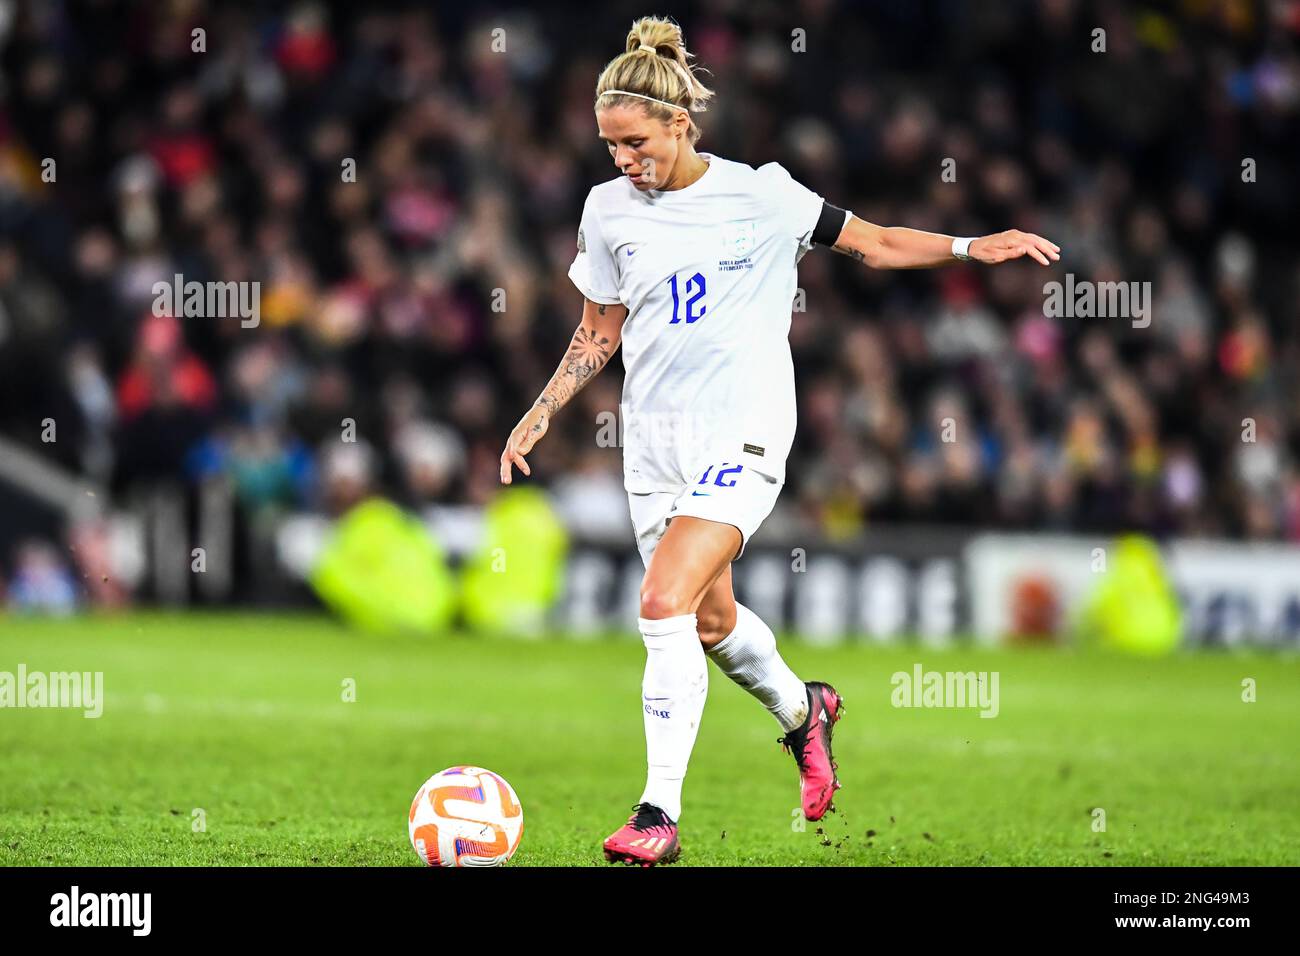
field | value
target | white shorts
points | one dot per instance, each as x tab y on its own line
732	494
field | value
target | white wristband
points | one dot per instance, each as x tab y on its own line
961	248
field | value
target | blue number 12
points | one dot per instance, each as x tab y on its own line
697	281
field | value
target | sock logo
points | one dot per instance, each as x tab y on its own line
655	712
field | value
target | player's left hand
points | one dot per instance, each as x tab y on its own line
1012	244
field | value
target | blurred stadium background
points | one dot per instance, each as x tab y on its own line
344	450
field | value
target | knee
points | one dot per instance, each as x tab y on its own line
659	602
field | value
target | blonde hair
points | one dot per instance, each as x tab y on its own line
662	74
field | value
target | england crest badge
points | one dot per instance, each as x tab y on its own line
738	238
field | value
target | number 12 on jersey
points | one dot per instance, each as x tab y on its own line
695	283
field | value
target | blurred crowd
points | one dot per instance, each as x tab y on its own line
424	300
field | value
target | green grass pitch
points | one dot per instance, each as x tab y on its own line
243	717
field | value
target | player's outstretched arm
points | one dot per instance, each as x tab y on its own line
594	344
896	247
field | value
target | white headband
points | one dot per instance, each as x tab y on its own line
673	106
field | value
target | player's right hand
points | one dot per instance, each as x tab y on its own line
525	435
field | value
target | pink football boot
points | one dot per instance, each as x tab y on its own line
648	838
810	743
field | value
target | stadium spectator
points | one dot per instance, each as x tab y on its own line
408	201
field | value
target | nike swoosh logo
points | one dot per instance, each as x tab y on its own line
631	251
701	494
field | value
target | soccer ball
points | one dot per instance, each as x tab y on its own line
466	816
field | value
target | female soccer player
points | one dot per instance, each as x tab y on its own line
689	261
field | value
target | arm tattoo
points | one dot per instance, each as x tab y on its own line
587	355
854	254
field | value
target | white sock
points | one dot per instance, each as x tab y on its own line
673	690
748	655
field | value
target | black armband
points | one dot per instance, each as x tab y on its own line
829	225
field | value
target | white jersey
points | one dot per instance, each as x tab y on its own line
708	276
